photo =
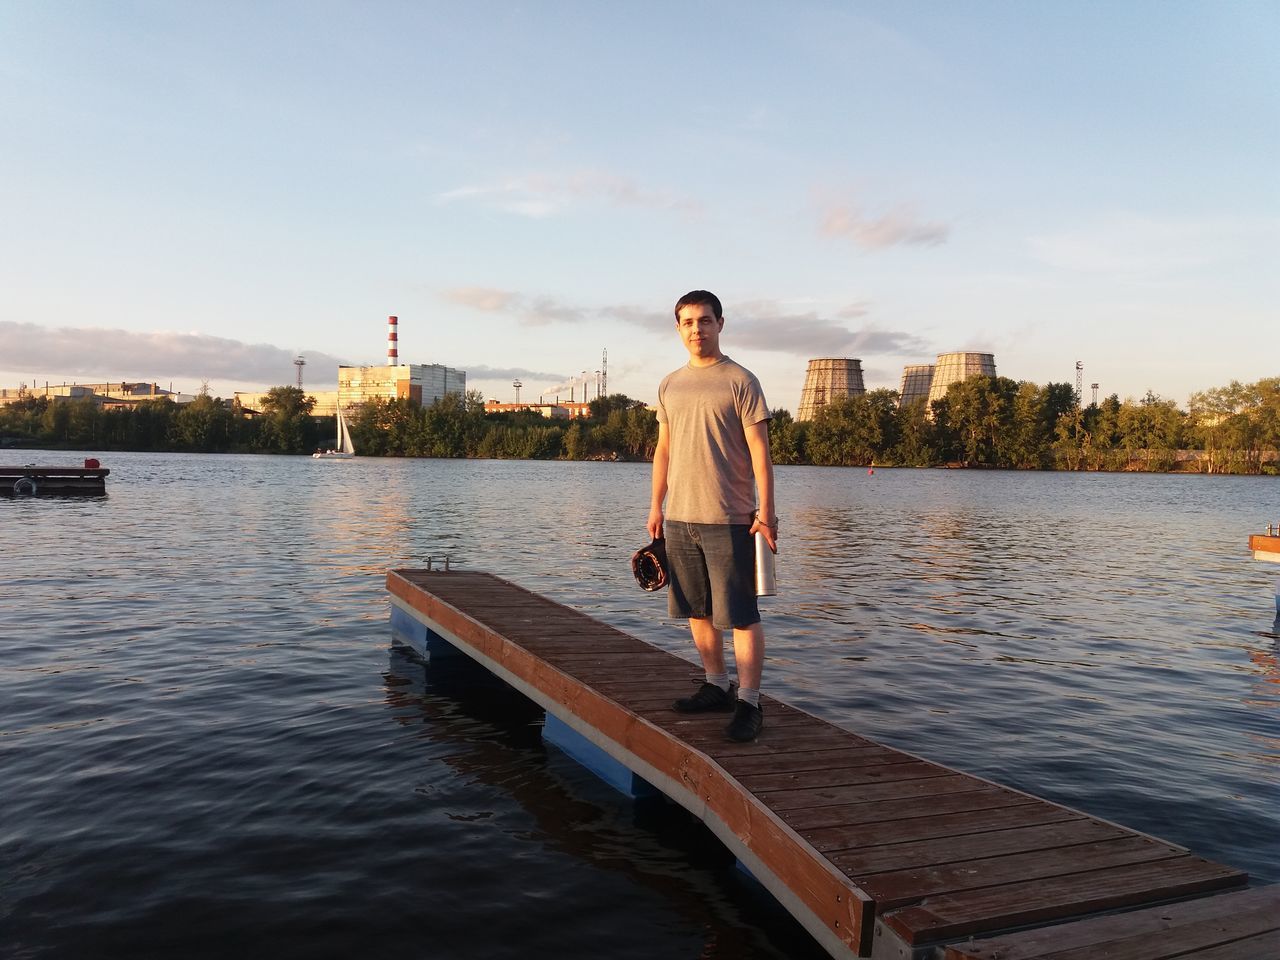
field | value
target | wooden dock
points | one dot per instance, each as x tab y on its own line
34	480
877	853
1265	547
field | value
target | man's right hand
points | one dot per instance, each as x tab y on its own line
655	523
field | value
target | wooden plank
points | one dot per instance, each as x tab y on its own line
890	770
861	793
952	916
831	840
984	797
770	743
1236	915
896	889
865	754
941	850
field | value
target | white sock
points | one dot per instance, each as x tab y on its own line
750	696
721	680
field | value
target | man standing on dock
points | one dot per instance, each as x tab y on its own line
711	460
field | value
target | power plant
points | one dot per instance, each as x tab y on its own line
422	383
914	388
954	367
827	380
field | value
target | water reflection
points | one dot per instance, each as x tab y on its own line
678	883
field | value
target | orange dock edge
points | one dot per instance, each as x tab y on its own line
1265	547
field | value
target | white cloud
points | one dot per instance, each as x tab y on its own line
544	195
756	325
106	354
898	227
480	371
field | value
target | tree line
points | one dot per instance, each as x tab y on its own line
984	421
996	422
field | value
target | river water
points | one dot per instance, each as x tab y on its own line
209	747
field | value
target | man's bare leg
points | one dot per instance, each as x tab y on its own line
710	644
748	655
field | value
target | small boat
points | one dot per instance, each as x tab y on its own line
32	480
345	450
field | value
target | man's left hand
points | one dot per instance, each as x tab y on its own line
770	532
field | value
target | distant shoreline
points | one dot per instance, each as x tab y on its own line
1183	467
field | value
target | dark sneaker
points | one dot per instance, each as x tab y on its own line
708	699
747	722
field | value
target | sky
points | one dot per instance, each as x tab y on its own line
196	192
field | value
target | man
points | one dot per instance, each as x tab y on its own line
711	460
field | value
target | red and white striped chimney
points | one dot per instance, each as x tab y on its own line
392	336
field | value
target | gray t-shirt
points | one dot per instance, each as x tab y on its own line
706	410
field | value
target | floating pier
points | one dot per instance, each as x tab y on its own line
32	480
1266	546
876	852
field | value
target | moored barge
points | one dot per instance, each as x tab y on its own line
33	480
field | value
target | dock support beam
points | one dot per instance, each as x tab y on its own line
420	638
611	771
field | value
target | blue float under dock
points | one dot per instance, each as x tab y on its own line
877	853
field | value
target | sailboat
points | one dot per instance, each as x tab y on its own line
346	450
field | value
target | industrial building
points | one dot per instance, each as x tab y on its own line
326	402
115	394
925	383
827	380
914	388
422	383
565	410
955	367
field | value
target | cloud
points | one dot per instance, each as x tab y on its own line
756	325
485	299
766	325
898	227
479	371
535	311
545	195
96	352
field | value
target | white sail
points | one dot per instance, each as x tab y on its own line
346	449
344	436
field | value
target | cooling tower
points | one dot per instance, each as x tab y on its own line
916	379
828	380
954	367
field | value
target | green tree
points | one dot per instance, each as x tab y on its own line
852	430
976	417
287	425
575	441
203	425
1151	431
917	445
55	423
786	438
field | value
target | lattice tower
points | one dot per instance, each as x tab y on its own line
827	380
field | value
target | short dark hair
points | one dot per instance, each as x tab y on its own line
700	298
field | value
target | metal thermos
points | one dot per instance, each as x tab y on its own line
766	582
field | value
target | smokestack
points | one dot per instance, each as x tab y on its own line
392	353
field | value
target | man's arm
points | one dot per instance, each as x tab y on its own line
766	521
661	459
